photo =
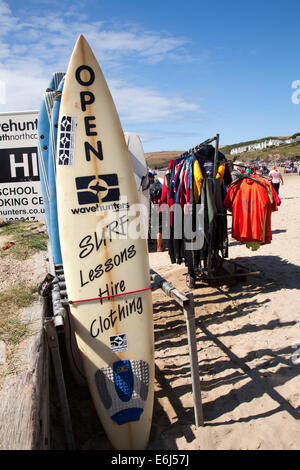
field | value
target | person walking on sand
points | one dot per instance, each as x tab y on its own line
276	178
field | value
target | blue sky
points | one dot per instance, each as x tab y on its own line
179	71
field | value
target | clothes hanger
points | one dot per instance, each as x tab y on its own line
243	176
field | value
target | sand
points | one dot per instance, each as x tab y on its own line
246	336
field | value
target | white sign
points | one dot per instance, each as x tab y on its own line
20	189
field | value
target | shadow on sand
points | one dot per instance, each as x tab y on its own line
257	380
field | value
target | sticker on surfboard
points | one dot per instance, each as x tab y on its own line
66	147
118	343
123	388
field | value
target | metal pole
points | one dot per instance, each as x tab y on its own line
168	289
186	301
189	313
209	258
216	156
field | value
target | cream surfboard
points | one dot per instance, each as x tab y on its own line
105	260
140	168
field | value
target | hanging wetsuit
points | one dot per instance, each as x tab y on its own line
214	220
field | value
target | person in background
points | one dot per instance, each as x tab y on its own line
155	198
265	171
276	178
235	172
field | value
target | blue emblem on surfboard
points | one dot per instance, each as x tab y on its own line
123	379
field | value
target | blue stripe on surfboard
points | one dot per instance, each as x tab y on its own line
55	80
43	148
123	379
54	229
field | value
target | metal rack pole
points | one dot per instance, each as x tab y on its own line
216	160
189	313
186	302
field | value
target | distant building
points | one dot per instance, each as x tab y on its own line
262	145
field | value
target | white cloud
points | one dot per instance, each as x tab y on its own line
156	134
24	88
7	20
33	47
140	104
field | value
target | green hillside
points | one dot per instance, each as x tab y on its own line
227	148
161	159
281	153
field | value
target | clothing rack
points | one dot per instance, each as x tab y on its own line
207	273
206	142
192	150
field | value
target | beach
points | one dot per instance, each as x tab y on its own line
247	336
249	362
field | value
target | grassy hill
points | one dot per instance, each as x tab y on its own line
227	148
161	159
281	153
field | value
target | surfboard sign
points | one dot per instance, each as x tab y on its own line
44	121
104	257
53	222
140	168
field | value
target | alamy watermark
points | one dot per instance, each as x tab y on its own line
296	94
121	221
179	223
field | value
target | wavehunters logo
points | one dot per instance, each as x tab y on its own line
92	189
100	192
95	193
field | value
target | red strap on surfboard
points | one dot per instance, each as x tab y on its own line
108	296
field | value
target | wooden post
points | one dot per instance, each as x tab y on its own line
55	353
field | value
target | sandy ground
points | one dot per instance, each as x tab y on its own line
246	336
246	333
